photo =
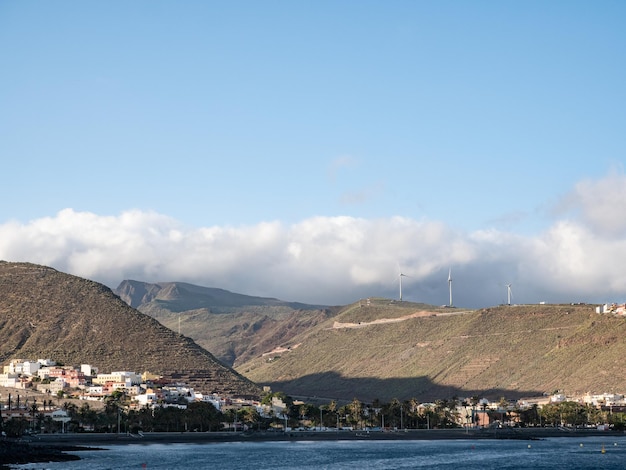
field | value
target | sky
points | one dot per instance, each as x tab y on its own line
313	151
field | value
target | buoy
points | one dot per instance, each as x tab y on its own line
581	444
529	446
603	451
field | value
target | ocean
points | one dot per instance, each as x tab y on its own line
553	453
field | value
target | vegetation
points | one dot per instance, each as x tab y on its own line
117	416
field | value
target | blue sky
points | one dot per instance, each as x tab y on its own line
313	150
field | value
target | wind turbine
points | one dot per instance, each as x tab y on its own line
450	284
508	293
401	276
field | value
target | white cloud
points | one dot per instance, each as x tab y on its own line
600	204
337	260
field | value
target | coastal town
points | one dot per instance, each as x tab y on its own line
42	396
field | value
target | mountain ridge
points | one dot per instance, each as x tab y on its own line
137	293
45	313
234	327
511	351
385	349
371	349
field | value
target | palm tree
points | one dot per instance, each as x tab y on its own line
86	415
427	412
356	411
250	417
474	400
60	394
394	412
33	411
204	416
412	407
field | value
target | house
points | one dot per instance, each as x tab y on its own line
146	399
55	386
129	378
9	379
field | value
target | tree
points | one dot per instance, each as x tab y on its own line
168	419
550	414
572	413
529	416
617	421
140	420
60	395
394	413
426	416
202	416
412	407
87	416
355	409
305	411
15	427
34	408
250	417
332	406
230	416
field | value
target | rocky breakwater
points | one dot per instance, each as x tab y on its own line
13	452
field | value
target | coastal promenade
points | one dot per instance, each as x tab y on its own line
104	439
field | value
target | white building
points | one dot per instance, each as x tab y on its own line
46	362
214	400
88	370
30	368
19	366
129	378
146	399
56	385
558	398
95	390
9	380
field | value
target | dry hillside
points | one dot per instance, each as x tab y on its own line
399	350
234	327
48	314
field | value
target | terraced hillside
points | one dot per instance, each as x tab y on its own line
48	314
392	350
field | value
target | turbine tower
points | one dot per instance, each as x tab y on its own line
450	284
508	294
401	276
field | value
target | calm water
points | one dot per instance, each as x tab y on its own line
557	453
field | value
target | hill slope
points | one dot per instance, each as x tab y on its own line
48	314
400	350
234	327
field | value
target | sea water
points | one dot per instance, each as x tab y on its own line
552	453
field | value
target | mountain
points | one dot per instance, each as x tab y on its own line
48	314
388	350
234	327
181	296
379	348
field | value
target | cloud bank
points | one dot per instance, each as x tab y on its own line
338	260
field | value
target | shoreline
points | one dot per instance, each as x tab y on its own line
72	441
65	447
